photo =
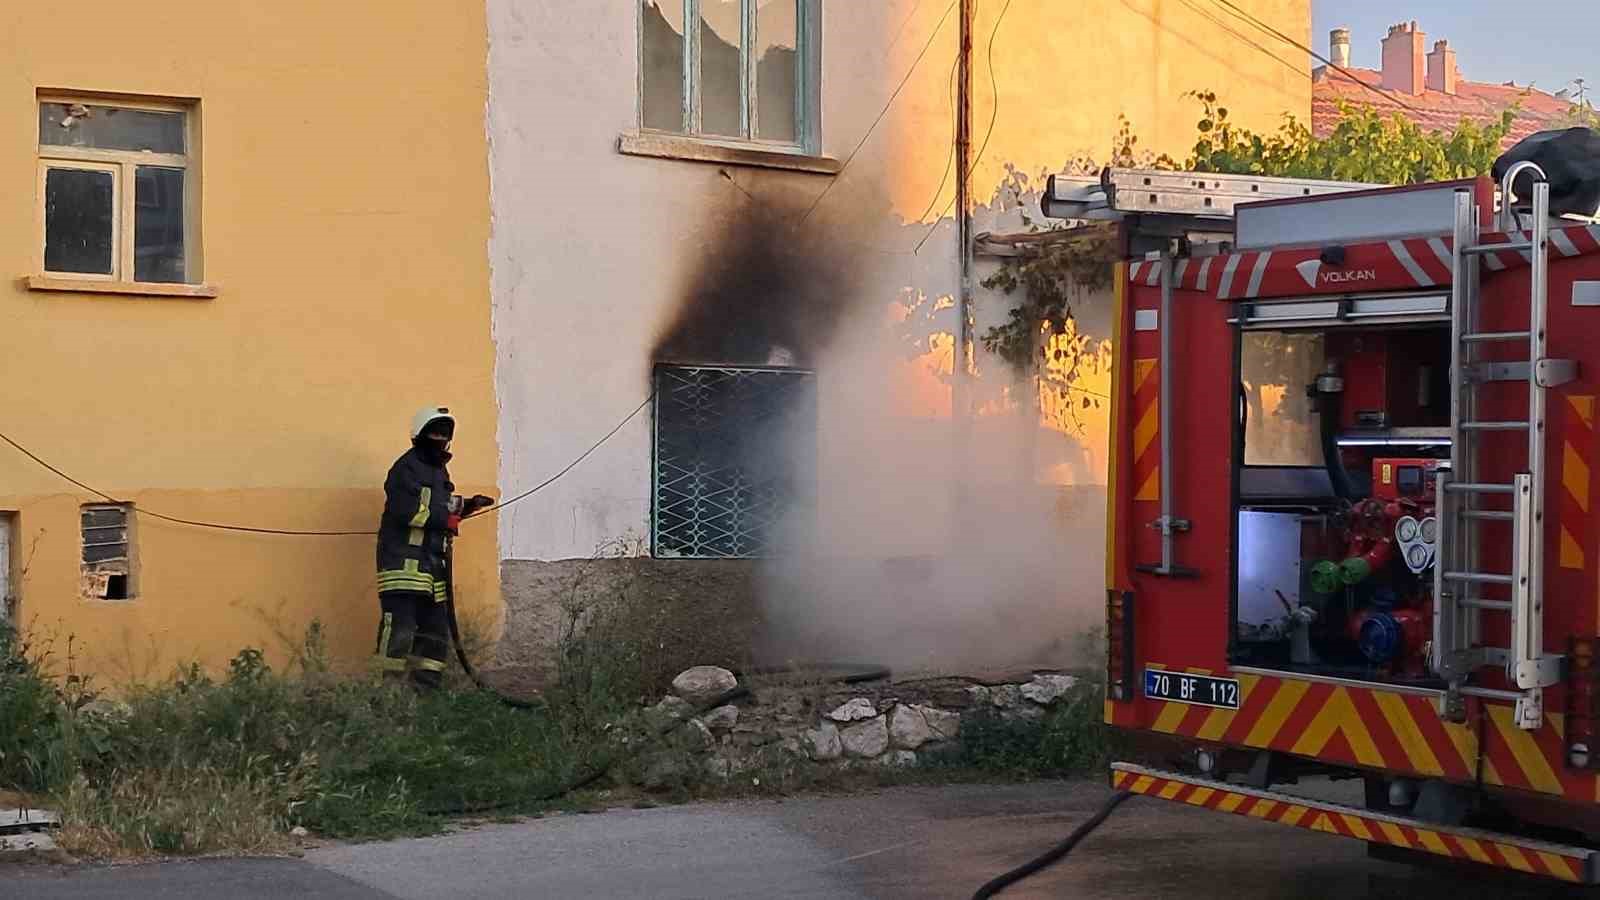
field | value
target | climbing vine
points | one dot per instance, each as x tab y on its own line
1056	270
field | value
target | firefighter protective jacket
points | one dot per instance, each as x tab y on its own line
414	530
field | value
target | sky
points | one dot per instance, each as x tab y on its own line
1549	42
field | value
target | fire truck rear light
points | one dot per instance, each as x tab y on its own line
1401	792
1119	645
1583	703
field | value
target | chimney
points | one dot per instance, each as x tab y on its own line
1339	47
1442	71
1403	59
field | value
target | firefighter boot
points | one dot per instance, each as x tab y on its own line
397	628
431	646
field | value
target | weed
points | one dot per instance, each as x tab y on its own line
42	742
1070	739
199	764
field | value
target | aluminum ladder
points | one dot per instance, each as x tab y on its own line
1458	650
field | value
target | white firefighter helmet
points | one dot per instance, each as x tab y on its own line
428	415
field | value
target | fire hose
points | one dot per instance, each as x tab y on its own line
455	634
842	673
1054	854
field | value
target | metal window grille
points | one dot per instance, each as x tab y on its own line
106	551
729	446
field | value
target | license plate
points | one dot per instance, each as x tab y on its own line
1200	690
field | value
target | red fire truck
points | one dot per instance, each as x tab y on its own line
1350	528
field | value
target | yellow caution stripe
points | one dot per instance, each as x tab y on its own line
1504	851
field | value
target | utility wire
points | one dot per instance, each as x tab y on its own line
572	465
994	116
1250	18
1214	19
250	529
837	176
949	160
155	515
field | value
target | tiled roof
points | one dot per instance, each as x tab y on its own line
1434	110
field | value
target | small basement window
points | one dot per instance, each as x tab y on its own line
8	588
107	551
734	451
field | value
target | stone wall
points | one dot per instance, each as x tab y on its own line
689	611
883	722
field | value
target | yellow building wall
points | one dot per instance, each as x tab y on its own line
345	216
1052	83
1051	79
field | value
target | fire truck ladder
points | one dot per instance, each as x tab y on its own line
1458	650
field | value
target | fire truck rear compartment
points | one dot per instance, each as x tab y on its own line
1339	438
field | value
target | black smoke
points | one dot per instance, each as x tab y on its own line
761	287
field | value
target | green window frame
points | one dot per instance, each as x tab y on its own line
655	115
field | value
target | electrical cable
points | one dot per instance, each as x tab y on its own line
1054	854
570	466
837	176
950	159
1251	19
251	529
181	521
1215	20
994	116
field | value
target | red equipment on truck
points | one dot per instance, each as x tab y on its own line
1350	527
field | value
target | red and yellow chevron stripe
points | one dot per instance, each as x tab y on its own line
1146	428
1403	264
1572	864
1577	448
1373	728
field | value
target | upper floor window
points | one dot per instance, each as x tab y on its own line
740	70
116	189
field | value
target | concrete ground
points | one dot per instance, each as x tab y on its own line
913	842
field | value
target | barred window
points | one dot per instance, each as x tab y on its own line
8	590
107	551
733	453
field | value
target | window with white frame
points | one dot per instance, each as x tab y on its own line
116	188
741	70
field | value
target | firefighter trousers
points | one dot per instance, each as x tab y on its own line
414	636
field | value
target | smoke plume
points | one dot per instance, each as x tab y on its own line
909	540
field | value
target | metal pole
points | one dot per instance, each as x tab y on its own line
1448	628
1164	414
1538	313
961	393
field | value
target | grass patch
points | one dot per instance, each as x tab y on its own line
199	764
233	762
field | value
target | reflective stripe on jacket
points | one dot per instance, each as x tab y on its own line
414	528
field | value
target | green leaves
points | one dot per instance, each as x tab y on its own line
1363	146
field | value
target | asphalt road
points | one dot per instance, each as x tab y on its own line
901	843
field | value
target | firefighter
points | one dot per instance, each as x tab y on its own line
420	516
